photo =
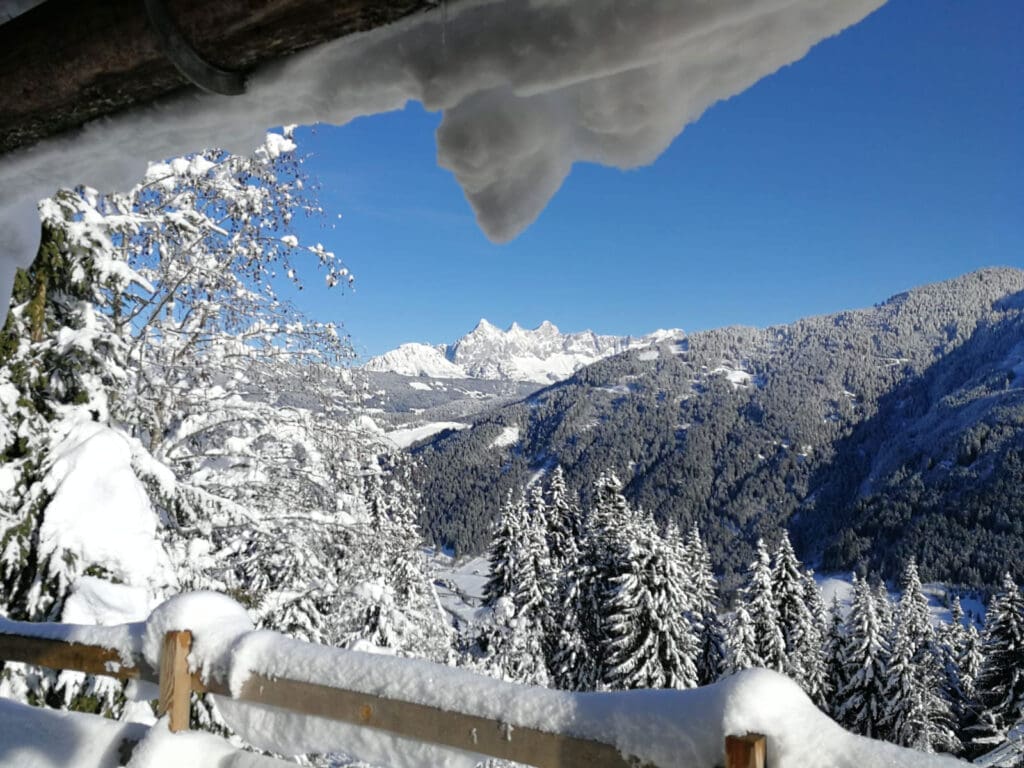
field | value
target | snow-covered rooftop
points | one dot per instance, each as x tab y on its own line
527	89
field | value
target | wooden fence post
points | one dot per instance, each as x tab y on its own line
748	751
175	680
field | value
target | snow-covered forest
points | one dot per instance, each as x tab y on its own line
603	599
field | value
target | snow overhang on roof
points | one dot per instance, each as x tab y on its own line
527	87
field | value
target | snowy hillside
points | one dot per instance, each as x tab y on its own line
542	355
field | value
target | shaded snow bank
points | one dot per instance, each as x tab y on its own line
34	737
31	737
527	88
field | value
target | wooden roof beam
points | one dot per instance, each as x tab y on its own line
66	62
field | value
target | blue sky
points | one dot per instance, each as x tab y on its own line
890	156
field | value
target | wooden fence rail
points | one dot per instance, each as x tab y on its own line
402	718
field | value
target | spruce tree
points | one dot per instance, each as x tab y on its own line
905	720
649	641
861	701
597	572
835	652
955	648
563	521
704	609
563	642
797	624
1000	681
502	553
756	596
917	712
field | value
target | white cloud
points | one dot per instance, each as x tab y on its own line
528	87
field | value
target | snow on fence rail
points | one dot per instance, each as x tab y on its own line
466	732
287	696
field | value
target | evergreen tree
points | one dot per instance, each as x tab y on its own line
564	523
861	701
906	717
649	641
917	712
1000	681
835	654
502	553
704	609
756	595
797	625
564	646
956	649
597	572
385	594
513	647
813	657
534	584
742	645
913	617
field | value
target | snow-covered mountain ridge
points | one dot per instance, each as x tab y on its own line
543	354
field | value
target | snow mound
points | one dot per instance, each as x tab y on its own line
216	621
100	513
34	737
163	749
659	727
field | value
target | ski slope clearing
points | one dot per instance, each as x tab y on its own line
403	438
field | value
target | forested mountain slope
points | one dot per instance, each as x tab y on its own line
862	430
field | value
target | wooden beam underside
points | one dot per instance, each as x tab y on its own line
67	62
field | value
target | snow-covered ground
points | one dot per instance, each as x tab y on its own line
460	586
507	437
840	587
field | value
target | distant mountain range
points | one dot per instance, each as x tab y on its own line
873	435
543	355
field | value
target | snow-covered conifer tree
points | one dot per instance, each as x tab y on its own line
564	523
861	701
564	646
704	609
503	550
834	652
923	719
1000	681
797	624
756	596
650	641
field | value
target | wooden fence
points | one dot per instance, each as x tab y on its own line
401	718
